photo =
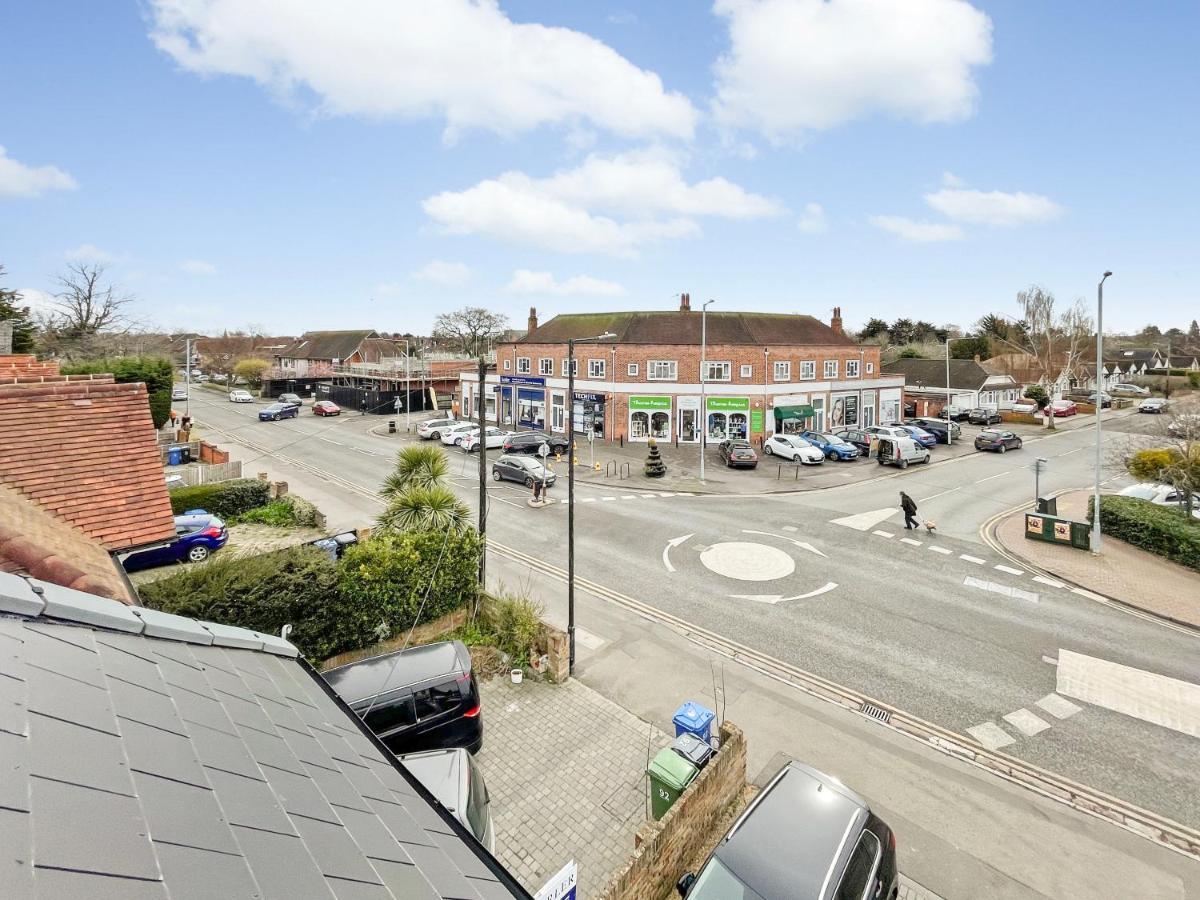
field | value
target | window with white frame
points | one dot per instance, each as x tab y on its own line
716	371
507	364
631	370
852	368
575	366
831	368
808	369
662	370
595	368
783	371
524	365
746	371
870	367
545	366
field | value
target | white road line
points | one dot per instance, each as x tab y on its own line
941	550
361	450
970	559
991	735
1169	702
1059	707
1009	569
886	534
606	499
629	496
1091	596
939	494
1049	582
1049	660
790	528
661	494
865	521
332	441
990	477
1002	589
1026	722
910	541
588	500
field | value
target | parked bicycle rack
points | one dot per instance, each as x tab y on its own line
625	470
610	468
795	467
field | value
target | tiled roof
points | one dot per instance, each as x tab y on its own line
85	449
677	327
326	344
147	755
965	374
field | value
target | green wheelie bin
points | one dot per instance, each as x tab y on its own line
669	774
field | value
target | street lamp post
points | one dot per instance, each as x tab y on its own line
1099	430
703	382
571	490
1039	466
949	427
766	357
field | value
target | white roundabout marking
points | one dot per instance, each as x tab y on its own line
748	562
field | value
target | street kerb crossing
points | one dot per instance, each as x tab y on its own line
1145	823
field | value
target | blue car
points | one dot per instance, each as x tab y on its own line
277	411
833	446
198	535
920	435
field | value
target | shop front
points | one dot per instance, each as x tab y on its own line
792	418
889	405
843	410
649	417
728	418
688	428
523	401
590	411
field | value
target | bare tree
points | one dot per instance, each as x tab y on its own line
87	305
470	330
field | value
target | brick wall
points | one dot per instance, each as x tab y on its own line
665	847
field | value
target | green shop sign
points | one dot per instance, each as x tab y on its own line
649	402
729	404
756	420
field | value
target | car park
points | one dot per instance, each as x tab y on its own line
1153	405
806	836
456	780
1129	390
240	396
326	408
939	428
983	415
858	437
495	439
277	411
290	399
995	439
793	447
179	393
920	435
1060	408
456	432
1162	495
432	429
832	445
422	698
523	469
198	534
531	442
737	453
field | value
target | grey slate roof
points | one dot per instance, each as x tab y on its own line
965	374
145	755
326	344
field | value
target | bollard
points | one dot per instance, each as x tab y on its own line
391	426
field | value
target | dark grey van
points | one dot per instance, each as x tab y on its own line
422	698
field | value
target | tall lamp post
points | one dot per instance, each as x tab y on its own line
703	382
1099	360
571	490
949	427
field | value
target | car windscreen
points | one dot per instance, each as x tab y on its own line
834	440
717	882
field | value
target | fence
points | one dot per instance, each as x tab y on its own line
200	473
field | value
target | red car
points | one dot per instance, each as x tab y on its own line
1063	408
326	408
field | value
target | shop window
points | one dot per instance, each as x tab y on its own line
852	368
595	368
808	370
739	425
716	371
524	365
746	372
631	370
660	425
639	425
662	370
831	368
507	365
574	365
545	366
783	371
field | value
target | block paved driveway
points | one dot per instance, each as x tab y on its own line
565	769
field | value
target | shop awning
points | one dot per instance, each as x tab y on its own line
804	411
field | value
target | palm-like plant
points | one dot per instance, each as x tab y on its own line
416	467
432	508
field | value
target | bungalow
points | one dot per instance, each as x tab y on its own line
315	353
971	384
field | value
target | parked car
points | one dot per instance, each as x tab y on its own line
456	432
456	780
1024	406
894	431
1060	408
523	469
1090	398
422	698
958	413
530	441
995	439
833	446
240	396
290	399
899	451
179	393
277	411
326	408
495	439
1152	405
198	534
806	836
858	437
939	428
1162	495
432	430
920	435
1125	389
793	447
738	454
983	415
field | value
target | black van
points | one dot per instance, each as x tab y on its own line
423	698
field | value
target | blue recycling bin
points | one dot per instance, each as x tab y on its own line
694	719
174	456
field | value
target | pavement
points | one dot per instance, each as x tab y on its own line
1121	572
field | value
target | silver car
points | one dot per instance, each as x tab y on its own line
1161	495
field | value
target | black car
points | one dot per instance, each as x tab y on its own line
805	837
530	441
995	439
291	399
856	436
983	416
936	427
423	698
738	454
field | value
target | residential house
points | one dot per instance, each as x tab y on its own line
315	353
1025	370
970	385
680	375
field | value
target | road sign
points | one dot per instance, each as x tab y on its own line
562	885
543	450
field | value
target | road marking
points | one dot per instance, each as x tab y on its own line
606	499
361	450
910	541
673	542
790	528
777	598
1026	722
938	494
1009	569
1003	589
629	496
944	551
886	534
1165	701
801	544
970	559
865	521
332	441
1049	660
1049	582
1091	596
588	500
990	477
1059	707
588	639
662	494
991	735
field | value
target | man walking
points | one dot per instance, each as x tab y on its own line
909	506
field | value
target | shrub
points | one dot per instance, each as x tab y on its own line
417	466
516	622
1162	530
303	512
227	499
424	509
155	372
278	514
1194	380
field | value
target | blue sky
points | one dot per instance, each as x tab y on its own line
371	164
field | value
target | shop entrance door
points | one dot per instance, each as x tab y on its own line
687	425
868	409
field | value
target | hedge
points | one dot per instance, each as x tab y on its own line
155	372
1163	530
224	498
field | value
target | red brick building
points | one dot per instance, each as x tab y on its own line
763	372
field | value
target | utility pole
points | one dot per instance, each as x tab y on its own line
187	378
1099	358
481	402
703	382
949	424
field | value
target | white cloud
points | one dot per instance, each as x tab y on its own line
37	301
950	180
89	253
525	281
608	204
796	66
440	272
812	221
920	232
20	180
198	267
623	18
463	60
992	207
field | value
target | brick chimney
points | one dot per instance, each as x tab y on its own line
685	302
836	322
532	319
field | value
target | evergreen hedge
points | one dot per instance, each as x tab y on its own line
1163	530
224	498
155	372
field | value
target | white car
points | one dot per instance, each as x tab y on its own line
495	439
456	432
1161	495
1024	406
1130	390
240	396
179	393
432	430
891	431
793	447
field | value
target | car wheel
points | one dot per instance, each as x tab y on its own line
496	476
904	463
830	455
528	482
436	436
1018	445
1003	448
199	553
767	450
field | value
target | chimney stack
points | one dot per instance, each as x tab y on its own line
532	319
685	302
836	322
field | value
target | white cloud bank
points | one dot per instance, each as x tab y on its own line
440	272
796	66
920	232
525	281
812	220
89	253
608	204
20	180
463	60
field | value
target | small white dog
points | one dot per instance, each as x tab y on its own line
930	526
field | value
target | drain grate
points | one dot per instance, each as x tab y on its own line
880	715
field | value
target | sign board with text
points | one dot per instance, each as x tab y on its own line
728	404
562	886
636	402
